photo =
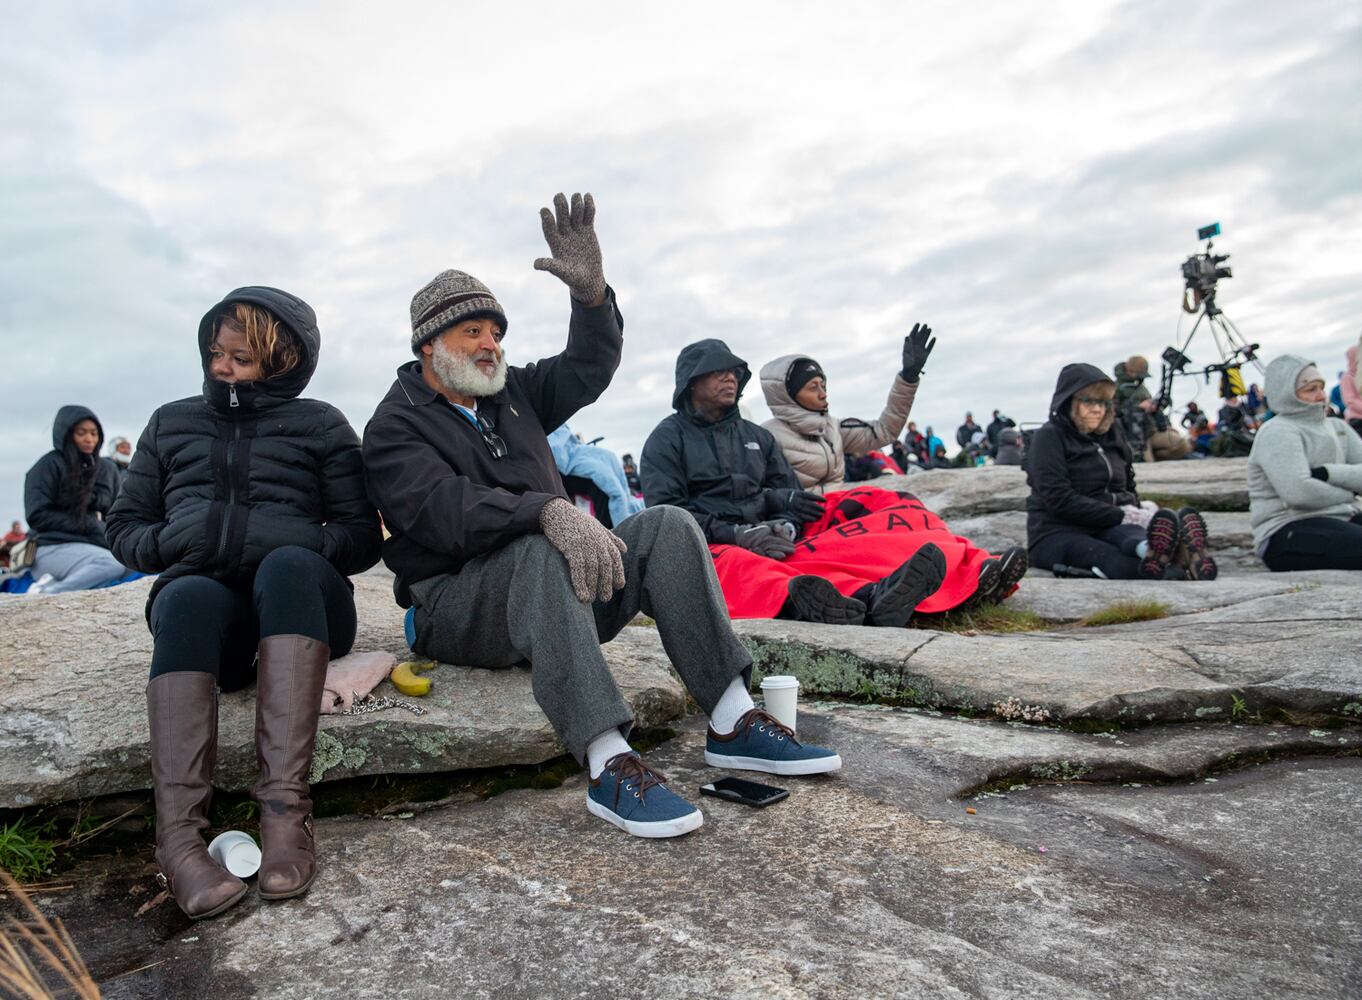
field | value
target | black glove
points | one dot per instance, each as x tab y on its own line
759	538
801	505
916	349
1321	473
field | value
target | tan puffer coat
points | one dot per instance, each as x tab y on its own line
815	443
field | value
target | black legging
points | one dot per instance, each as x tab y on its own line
1111	551
1316	543
201	624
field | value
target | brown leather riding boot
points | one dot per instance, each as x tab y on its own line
288	702
183	710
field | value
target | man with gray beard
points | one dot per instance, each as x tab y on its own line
498	568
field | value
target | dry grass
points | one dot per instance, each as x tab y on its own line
34	950
1125	612
989	618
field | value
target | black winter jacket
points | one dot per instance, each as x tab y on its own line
444	498
48	514
720	472
220	480
1079	482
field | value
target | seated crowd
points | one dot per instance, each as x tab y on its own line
253	506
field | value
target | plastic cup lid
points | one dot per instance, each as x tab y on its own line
779	682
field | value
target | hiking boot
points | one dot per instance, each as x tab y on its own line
182	708
632	796
1198	564
760	742
990	572
893	600
1012	566
287	704
815	599
1163	534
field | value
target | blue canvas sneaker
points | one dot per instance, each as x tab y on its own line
631	795
760	743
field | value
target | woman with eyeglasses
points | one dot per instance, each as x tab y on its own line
249	502
1304	476
1084	516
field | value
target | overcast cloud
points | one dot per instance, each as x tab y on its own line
787	176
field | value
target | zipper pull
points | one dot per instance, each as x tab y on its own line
231	396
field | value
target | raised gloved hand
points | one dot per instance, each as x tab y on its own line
571	236
761	539
916	348
592	551
801	505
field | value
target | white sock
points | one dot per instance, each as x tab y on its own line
1142	549
605	746
734	703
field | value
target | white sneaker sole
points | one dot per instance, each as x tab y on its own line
817	765
660	828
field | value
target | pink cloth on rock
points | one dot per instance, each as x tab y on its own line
353	676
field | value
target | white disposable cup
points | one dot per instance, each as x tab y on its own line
237	852
781	694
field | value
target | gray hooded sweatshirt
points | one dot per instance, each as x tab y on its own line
1300	437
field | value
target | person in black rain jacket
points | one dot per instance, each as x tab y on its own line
250	504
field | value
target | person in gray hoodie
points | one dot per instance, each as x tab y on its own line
1304	476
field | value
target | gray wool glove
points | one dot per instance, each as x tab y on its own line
592	551
786	529
571	237
761	539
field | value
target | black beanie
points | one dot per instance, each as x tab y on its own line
801	373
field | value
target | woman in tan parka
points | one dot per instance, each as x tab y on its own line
814	442
865	528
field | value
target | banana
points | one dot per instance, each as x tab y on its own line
405	679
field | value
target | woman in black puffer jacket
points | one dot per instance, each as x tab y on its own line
67	494
1083	512
249	502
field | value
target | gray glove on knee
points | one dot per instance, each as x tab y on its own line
592	551
571	237
764	541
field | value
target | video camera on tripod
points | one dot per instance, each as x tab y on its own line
1200	272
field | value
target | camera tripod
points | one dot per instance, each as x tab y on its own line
1229	344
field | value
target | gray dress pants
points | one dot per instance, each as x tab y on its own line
516	605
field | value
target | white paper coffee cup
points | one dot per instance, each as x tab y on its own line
237	852
781	693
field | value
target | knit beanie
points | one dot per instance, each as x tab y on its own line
449	298
1307	375
801	373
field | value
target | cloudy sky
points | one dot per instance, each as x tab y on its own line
788	176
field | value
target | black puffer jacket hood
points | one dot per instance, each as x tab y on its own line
295	314
701	358
67	418
1071	379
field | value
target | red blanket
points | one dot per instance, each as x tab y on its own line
864	535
